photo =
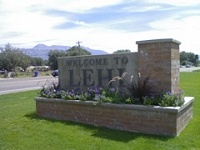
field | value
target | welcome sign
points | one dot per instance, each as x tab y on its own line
97	70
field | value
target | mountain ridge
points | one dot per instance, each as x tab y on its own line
42	50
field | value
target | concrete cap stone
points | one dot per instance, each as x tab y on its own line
158	41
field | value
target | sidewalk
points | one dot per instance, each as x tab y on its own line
6	78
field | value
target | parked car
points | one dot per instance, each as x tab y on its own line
55	73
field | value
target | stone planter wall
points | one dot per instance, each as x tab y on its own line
169	121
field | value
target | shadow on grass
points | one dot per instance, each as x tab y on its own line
102	132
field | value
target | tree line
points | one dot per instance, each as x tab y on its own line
12	58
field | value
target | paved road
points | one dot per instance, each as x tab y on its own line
11	85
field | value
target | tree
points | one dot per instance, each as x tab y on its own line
188	58
24	61
73	51
53	58
122	51
11	57
76	51
37	61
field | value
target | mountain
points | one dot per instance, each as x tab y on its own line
94	52
41	46
42	50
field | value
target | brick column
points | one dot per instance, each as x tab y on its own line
160	59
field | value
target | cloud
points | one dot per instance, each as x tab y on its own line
11	34
175	2
107	25
84	5
75	6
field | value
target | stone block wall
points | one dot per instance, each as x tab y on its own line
135	118
160	59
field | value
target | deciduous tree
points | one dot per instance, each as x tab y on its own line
188	57
122	51
73	51
53	58
11	57
76	51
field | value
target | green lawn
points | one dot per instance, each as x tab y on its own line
21	129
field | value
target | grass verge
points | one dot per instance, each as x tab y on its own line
21	129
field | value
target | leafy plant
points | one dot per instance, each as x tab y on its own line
139	89
51	90
152	100
165	99
169	99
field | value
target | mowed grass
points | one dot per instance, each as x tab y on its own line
21	129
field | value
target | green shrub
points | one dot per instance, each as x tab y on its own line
165	99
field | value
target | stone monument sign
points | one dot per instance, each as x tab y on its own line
98	70
158	59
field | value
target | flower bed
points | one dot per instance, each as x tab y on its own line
113	95
169	121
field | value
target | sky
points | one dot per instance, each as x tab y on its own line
107	25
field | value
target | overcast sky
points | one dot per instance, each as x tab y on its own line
107	25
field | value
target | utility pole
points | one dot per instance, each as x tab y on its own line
79	43
79	46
